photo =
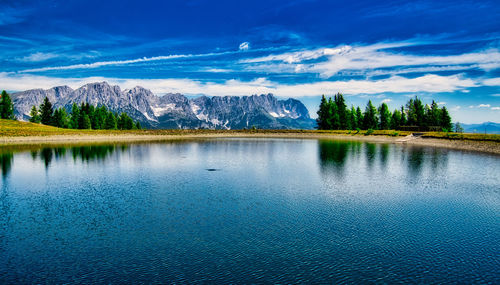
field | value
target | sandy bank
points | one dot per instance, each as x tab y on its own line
468	145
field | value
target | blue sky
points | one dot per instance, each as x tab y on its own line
386	51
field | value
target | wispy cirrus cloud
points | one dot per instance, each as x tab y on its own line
105	63
375	59
380	59
98	64
37	57
484	106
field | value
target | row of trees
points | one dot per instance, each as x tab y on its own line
85	116
334	115
6	106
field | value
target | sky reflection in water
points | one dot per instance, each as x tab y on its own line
275	210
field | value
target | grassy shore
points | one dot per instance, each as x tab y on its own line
16	132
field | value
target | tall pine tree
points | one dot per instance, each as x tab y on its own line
342	111
370	116
6	106
75	117
322	114
396	120
445	119
46	112
35	115
385	117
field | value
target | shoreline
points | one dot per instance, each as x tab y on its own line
489	147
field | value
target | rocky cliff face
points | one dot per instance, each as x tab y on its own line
175	110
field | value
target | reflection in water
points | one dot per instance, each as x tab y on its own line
6	160
370	153
384	153
279	211
99	152
439	159
333	155
46	156
415	160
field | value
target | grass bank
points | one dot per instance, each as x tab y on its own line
16	132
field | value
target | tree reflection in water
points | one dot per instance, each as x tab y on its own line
96	152
85	153
6	160
333	155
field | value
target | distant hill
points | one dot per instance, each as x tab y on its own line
488	127
175	111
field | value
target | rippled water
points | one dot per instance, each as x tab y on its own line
249	211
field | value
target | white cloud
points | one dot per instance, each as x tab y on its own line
299	56
122	62
104	63
216	70
456	108
495	108
373	60
441	103
245	46
386	100
484	106
395	84
349	60
37	57
492	81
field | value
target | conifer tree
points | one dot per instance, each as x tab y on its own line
353	118
333	115
342	111
445	119
385	117
46	112
396	120
322	114
404	121
359	117
35	115
370	116
75	117
85	122
434	115
416	113
60	118
6	106
110	122
125	122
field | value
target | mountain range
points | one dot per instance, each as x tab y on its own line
487	127
174	110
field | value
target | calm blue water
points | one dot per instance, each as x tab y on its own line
249	211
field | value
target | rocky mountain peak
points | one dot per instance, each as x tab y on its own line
174	110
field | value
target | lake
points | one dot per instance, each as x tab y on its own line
249	211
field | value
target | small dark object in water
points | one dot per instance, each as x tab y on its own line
212	169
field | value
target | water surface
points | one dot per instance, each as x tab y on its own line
249	211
